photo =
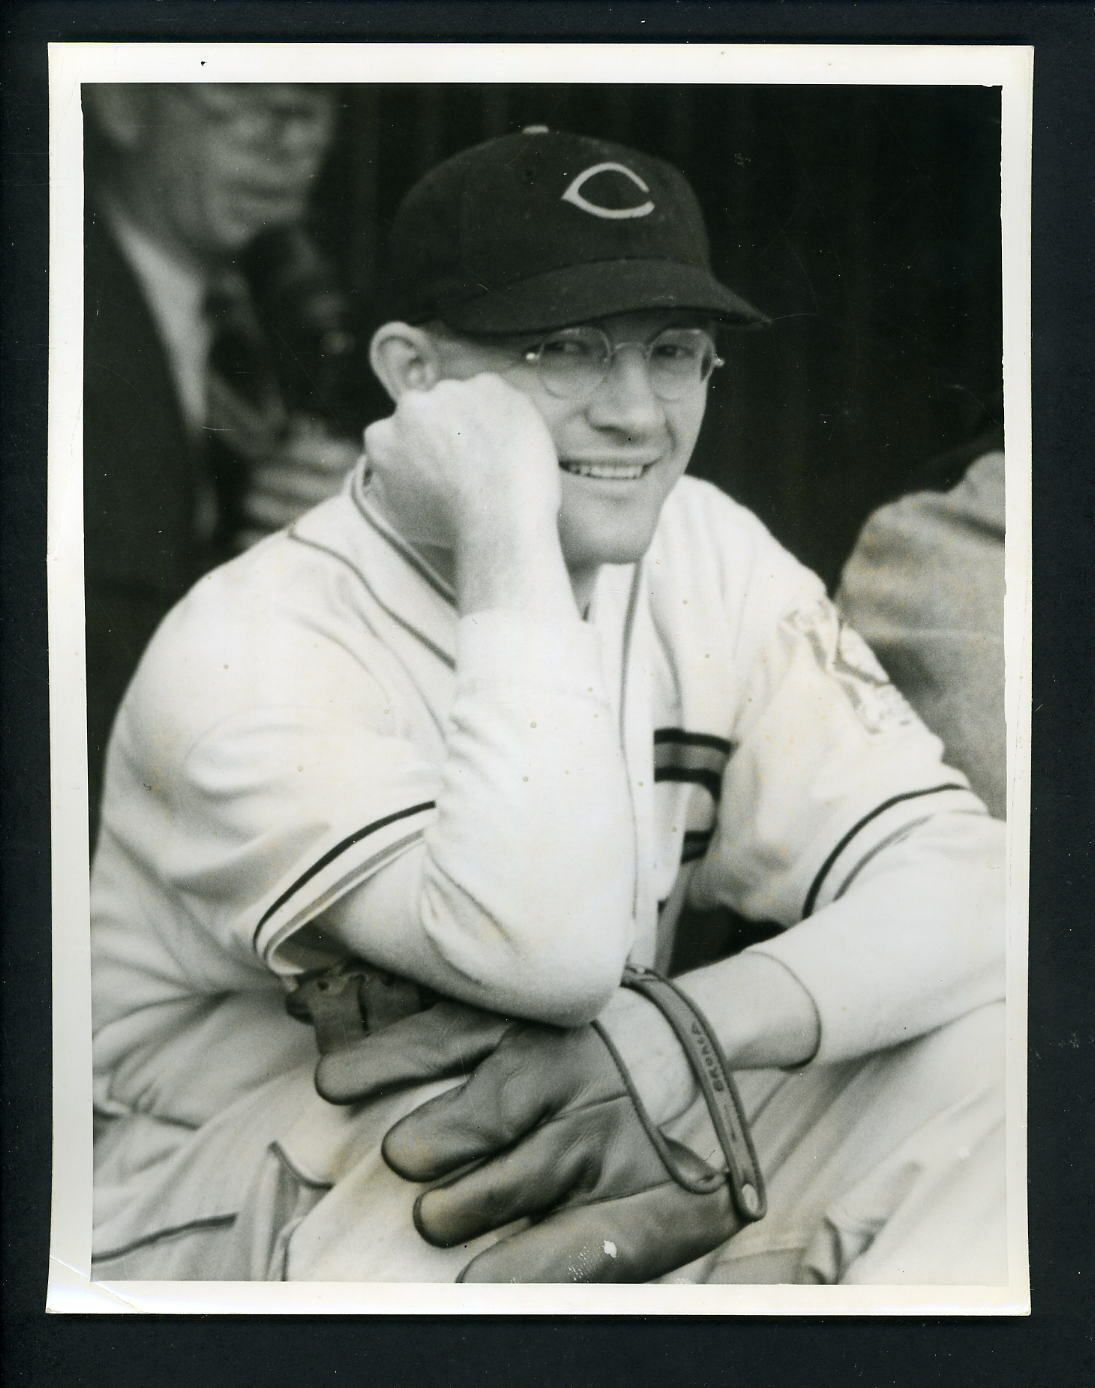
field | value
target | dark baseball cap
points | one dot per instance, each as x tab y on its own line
542	229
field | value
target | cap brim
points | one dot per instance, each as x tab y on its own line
578	293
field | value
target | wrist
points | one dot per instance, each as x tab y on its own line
719	1122
652	1055
761	1013
519	567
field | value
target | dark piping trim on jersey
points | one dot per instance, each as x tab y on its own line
210	1222
406	552
697	758
629	632
710	780
332	854
718	744
625	686
443	656
823	871
899	835
696	842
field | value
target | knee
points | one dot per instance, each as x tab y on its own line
959	1065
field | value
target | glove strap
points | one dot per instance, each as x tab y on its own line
743	1173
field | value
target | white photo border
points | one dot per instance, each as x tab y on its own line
70	1288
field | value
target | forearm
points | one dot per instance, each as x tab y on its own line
513	564
916	942
761	1014
519	897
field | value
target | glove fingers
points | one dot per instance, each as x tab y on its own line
635	1238
514	1089
576	1156
537	1174
445	1040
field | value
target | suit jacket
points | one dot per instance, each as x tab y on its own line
141	552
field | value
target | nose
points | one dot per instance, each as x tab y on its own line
298	131
305	138
625	400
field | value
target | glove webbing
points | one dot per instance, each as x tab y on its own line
743	1173
345	1002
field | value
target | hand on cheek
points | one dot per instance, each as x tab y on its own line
462	459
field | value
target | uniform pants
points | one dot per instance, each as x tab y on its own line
884	1170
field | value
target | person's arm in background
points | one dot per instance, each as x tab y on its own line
310	324
925	586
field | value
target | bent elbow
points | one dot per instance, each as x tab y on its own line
570	1002
557	966
585	999
562	987
570	979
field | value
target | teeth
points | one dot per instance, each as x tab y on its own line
606	472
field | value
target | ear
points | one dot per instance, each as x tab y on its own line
404	358
120	110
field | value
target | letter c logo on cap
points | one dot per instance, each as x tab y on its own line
574	194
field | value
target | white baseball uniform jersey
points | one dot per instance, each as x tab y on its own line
316	715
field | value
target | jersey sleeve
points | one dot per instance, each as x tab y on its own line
303	766
257	774
295	808
839	820
521	896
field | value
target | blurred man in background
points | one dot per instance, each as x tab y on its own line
193	445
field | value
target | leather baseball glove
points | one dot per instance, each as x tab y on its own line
549	1129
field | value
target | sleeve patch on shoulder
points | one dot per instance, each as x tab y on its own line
843	655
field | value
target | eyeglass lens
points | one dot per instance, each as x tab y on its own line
575	361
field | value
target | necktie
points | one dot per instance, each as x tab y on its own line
245	416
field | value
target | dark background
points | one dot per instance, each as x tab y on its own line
1055	1346
865	222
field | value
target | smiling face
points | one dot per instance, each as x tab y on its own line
207	167
621	449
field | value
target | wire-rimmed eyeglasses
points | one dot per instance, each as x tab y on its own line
573	362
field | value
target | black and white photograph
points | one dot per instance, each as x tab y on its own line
547	826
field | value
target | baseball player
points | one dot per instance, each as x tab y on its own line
469	735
